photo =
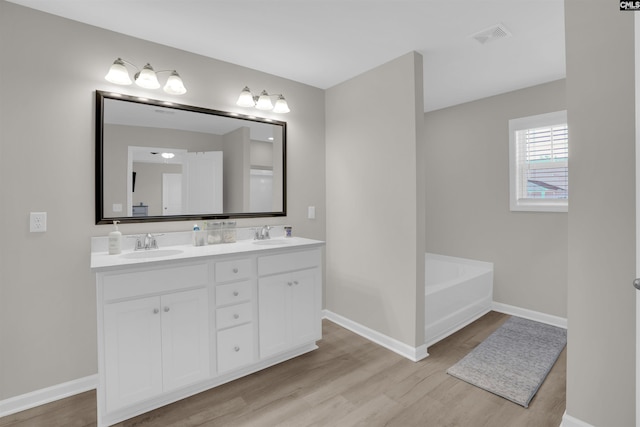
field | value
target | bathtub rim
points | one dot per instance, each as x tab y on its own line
480	268
465	261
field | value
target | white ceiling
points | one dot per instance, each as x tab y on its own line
325	42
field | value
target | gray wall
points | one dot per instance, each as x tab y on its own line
49	72
468	199
602	255
375	199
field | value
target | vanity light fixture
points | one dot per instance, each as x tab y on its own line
146	78
262	102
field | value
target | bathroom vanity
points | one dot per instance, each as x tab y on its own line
182	319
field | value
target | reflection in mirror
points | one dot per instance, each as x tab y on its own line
158	161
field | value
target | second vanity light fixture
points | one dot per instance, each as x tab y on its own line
262	102
146	78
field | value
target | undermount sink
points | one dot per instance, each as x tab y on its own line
151	253
274	242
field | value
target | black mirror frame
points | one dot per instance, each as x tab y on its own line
99	161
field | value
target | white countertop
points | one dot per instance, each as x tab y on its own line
102	260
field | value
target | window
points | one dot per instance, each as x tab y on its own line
539	169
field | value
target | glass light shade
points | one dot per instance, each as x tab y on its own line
264	102
246	98
281	105
174	84
147	78
118	73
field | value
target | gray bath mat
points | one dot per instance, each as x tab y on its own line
514	360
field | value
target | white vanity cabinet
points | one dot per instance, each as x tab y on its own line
155	344
289	299
155	332
171	328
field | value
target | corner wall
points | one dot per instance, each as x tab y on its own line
49	73
468	212
602	253
375	200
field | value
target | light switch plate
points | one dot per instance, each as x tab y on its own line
311	213
38	222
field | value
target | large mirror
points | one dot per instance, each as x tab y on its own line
161	161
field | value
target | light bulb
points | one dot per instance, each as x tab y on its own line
246	98
118	73
174	85
147	78
264	102
281	105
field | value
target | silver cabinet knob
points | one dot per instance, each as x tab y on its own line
636	284
236	349
236	293
290	283
295	282
166	309
235	270
236	316
156	311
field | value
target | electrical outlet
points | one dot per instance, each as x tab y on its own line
38	222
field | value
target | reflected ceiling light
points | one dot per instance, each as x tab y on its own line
168	155
262	102
146	78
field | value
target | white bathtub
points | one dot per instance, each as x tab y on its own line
457	292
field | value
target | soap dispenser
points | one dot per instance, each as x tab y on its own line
115	240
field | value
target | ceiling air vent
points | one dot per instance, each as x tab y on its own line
495	32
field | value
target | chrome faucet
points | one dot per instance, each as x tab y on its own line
150	242
145	242
262	233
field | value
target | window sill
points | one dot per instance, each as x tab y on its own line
540	206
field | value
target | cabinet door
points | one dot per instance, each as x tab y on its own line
185	338
305	319
273	293
133	360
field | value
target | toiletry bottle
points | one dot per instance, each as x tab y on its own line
115	240
198	237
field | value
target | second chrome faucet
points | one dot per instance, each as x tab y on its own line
262	233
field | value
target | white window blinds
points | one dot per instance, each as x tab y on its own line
539	150
543	162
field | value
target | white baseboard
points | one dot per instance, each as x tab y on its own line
419	353
569	421
412	353
560	322
47	395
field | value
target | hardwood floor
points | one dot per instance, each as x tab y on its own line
348	381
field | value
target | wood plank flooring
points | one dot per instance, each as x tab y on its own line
348	381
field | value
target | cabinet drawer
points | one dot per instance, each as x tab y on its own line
233	293
156	280
233	315
235	347
233	270
273	264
